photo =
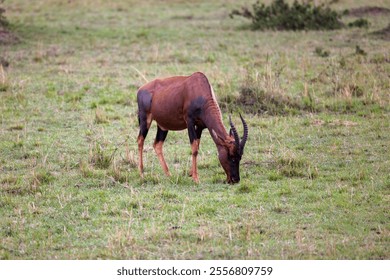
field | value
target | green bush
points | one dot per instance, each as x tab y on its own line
280	15
360	23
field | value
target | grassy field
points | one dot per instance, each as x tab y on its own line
315	180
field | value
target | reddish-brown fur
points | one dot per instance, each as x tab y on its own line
187	102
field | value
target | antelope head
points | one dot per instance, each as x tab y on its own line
231	150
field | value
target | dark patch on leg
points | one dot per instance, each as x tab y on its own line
144	100
198	130
143	125
195	109
191	131
194	131
158	147
161	135
194	123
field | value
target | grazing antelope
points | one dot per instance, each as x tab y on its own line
182	102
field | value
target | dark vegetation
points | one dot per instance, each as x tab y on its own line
299	16
6	37
360	23
3	20
280	15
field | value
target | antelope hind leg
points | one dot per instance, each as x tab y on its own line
158	148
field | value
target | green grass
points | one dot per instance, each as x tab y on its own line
315	172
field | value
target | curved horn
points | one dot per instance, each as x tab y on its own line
235	134
245	136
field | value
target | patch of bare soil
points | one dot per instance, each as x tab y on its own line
368	11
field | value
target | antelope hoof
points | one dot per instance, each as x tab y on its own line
196	179
141	171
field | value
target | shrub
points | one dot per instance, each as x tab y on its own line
360	23
299	16
262	92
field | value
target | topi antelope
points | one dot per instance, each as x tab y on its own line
182	102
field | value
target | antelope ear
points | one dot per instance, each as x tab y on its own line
218	140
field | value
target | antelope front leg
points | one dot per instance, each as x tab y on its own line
194	167
192	133
195	133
